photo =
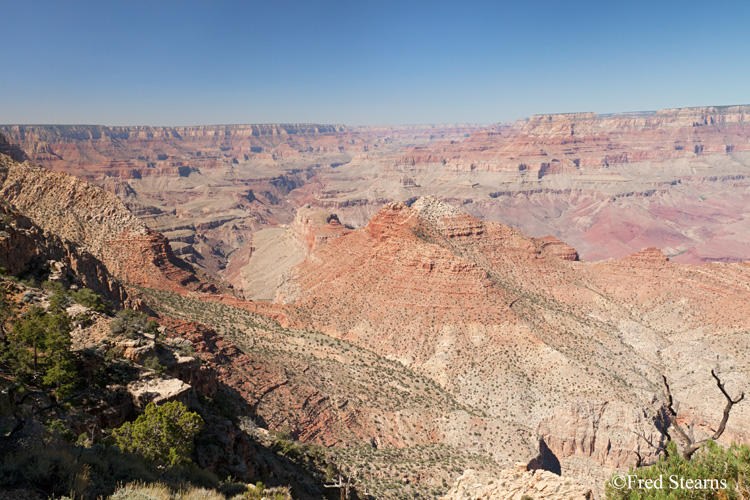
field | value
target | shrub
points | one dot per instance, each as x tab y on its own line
153	363
90	299
132	324
162	434
720	474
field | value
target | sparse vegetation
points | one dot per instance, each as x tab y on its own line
90	299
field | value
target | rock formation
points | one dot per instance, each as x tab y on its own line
519	328
515	484
98	223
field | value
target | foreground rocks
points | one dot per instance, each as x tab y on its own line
514	484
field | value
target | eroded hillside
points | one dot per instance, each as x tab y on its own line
520	329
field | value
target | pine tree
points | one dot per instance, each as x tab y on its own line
60	371
162	434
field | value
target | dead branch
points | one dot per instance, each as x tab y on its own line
687	438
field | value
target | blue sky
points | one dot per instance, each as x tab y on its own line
164	62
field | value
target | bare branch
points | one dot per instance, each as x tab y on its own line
690	444
673	420
730	403
649	442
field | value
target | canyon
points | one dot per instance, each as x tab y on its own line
488	294
607	185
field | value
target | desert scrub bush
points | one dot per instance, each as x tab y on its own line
51	469
132	324
92	300
258	491
721	474
161	434
142	491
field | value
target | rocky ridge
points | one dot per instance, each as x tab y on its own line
519	329
98	223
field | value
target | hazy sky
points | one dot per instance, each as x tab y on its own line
162	62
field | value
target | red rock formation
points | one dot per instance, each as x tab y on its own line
315	227
519	327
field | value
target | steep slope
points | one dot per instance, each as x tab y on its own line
520	329
365	408
26	249
96	221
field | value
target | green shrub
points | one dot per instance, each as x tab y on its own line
56	426
713	473
153	363
162	434
90	299
132	324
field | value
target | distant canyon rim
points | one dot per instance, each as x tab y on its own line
608	185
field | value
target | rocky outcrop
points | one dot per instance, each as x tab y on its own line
514	484
558	249
25	248
608	433
11	150
315	227
158	390
97	222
